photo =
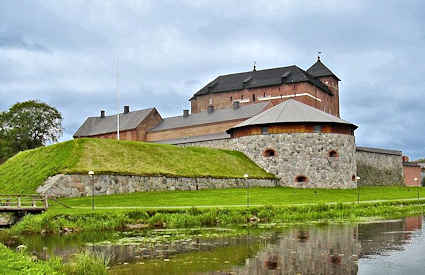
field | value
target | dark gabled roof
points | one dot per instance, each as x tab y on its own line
319	69
219	115
261	78
96	125
379	151
192	139
292	111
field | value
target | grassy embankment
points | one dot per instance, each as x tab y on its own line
19	263
26	171
77	220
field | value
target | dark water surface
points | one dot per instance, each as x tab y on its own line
387	247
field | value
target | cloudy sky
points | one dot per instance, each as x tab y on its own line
64	53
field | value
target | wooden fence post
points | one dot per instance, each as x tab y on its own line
46	203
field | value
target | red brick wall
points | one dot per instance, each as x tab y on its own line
329	104
410	173
153	119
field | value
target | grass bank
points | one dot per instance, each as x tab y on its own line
74	220
19	263
238	196
27	170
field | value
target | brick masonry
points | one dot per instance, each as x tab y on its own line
379	168
328	103
299	154
410	173
81	185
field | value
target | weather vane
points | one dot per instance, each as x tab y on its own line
318	54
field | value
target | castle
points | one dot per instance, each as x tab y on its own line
285	119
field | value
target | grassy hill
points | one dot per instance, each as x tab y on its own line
27	170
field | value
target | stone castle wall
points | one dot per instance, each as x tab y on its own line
379	167
81	185
299	154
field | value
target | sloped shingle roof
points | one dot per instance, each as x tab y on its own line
216	136
219	115
291	111
319	69
261	78
96	125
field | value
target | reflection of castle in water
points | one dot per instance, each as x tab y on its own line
330	249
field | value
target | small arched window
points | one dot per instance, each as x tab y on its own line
269	153
353	178
253	97
301	179
231	99
333	154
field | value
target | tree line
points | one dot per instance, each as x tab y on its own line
28	125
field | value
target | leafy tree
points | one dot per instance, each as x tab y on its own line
28	125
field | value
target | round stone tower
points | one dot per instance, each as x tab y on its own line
302	145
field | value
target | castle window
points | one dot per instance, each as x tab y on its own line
264	130
333	154
231	99
253	98
264	94
269	153
301	179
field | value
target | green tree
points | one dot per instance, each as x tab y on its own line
27	125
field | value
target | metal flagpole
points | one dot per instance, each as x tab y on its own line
118	104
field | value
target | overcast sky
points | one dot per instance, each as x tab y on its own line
64	53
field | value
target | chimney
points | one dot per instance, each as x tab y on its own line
210	109
235	105
185	113
102	114
126	109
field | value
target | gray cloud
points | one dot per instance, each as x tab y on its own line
64	52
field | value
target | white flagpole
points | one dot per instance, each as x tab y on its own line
118	104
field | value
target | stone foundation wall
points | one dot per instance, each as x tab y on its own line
81	185
299	154
379	167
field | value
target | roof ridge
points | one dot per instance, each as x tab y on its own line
290	66
123	113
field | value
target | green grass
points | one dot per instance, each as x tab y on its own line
27	170
20	263
258	196
78	220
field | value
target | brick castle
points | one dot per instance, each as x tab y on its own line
285	119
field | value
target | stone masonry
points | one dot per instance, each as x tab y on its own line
379	168
299	154
81	185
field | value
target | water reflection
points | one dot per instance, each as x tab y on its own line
333	249
319	249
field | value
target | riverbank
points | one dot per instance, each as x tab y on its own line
81	220
20	263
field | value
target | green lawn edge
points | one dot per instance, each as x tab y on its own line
27	170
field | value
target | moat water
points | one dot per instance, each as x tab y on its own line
385	247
